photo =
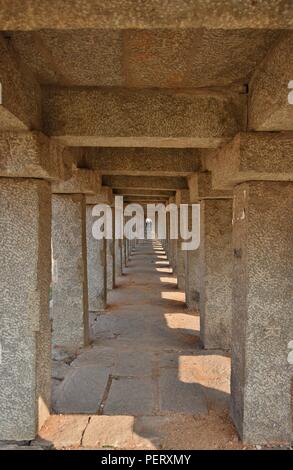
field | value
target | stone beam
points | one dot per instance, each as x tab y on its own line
20	94
145	200
200	187
125	14
116	117
169	183
143	161
83	181
144	192
33	155
105	196
269	107
253	157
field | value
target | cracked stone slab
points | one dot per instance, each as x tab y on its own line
96	356
109	431
130	396
64	431
82	390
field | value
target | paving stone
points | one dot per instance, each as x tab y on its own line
59	370
82	390
109	431
131	364
180	397
97	356
130	396
64	431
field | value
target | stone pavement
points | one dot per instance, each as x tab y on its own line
144	382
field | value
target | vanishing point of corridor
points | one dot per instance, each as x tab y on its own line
144	382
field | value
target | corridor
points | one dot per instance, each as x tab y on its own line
144	382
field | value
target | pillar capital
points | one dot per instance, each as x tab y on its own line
200	187
253	156
33	155
182	197
105	196
83	181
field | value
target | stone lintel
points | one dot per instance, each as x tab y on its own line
182	197
170	183
33	155
83	181
20	100
269	107
200	187
95	14
144	192
108	117
105	196
143	161
253	157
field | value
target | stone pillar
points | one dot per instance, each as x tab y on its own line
110	264
25	329
70	296
216	261
118	258
180	266
123	248
192	279
262	311
192	272
96	267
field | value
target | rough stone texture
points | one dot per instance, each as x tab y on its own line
25	369
200	187
82	181
110	265
192	279
20	107
144	192
253	156
118	258
216	261
146	182
143	58
70	296
143	161
33	155
142	118
65	431
104	431
105	196
82	390
96	266
269	109
82	14
180	266
262	311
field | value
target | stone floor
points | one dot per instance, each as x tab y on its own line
144	382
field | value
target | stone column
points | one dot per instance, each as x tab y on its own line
192	271
111	256
262	311
25	274
180	266
110	264
96	267
70	296
192	279
118	258
70	283
216	263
